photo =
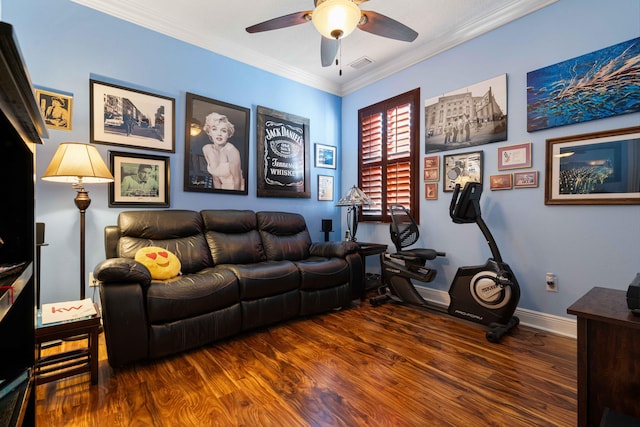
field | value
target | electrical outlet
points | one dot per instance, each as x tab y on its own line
92	280
551	282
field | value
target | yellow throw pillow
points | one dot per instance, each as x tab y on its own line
161	263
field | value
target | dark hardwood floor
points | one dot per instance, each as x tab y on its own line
363	366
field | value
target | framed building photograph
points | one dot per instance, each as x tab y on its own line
139	180
56	108
131	117
283	154
467	117
325	188
514	156
528	179
325	156
461	168
599	168
431	191
216	138
503	181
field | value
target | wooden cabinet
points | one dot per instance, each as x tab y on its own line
608	355
21	127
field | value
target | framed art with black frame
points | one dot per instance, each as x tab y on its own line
283	154
461	168
139	180
599	168
325	156
131	118
216	146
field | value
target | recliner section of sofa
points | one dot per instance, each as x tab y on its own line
240	270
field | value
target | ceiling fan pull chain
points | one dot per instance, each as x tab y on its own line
340	49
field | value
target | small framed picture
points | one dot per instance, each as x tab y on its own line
325	188
431	175
431	162
501	182
528	179
431	191
56	109
462	168
325	156
514	156
139	180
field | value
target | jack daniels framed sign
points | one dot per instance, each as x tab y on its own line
283	154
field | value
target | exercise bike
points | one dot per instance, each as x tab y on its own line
487	294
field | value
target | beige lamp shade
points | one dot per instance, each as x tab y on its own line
76	162
336	19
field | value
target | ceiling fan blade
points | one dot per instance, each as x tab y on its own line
381	25
281	22
328	50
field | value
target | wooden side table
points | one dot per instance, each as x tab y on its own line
65	364
365	250
608	355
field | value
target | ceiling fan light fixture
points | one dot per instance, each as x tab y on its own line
336	19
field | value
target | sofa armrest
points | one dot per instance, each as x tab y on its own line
333	249
122	270
123	284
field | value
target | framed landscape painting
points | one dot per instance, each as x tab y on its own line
600	168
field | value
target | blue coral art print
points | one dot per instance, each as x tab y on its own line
594	86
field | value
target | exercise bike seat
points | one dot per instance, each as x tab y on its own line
404	233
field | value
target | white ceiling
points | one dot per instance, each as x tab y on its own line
294	52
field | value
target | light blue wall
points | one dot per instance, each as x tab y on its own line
65	44
585	246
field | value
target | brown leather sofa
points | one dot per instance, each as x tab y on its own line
240	270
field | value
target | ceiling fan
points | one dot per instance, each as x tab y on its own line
336	19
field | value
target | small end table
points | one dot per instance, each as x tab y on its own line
67	363
365	250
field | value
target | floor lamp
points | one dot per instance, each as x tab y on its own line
78	164
354	198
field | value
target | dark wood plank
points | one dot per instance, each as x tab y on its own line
388	365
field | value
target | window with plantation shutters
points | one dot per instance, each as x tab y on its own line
388	156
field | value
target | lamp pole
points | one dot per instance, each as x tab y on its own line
82	201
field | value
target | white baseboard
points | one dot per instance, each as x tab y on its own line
535	319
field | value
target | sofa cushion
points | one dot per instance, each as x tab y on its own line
265	279
178	231
284	235
322	273
232	236
190	295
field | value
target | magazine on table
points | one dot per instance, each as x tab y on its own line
68	310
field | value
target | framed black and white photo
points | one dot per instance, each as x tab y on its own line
216	146
325	156
467	117
139	180
283	154
325	188
461	168
131	118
